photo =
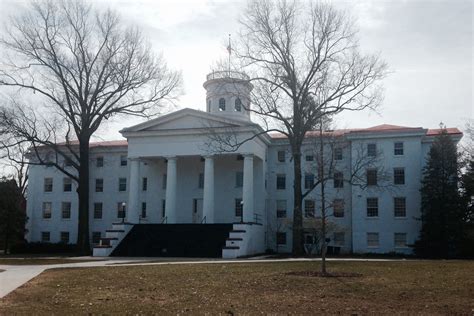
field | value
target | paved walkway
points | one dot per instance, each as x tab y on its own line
15	276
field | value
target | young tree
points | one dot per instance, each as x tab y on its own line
83	66
12	213
304	63
442	211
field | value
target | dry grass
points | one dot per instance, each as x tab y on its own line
411	287
39	261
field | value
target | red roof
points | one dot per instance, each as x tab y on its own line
107	143
450	130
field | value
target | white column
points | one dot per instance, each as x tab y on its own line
247	190
171	181
133	207
208	197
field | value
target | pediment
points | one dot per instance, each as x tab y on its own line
186	119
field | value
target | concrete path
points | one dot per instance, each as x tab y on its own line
15	276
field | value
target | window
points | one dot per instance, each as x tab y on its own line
98	210
99	185
123	160
339	238
45	236
281	182
337	153
66	210
372	239
398	148
281	155
372	207
281	208
143	215
239	179
240	157
238	105
163	208
164	182
144	184
208	105
122	184
67	184
400	207
201	181
338	179
281	238
308	180
338	208
399	175
121	209
309	158
371	150
67	162
99	162
64	237
309	208
221	104
309	239
96	237
48	184
371	176
400	240
47	209
238	207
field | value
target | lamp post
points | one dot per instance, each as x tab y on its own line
124	205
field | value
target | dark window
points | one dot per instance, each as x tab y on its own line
309	208
371	176
400	207
163	208
281	238
398	148
121	210
143	215
239	179
281	208
338	208
67	184
372	207
66	210
48	184
201	181
337	153
400	240
96	237
208	105
238	207
47	209
398	175
372	239
240	157
339	238
99	185
338	179
281	182
238	105
309	157
371	150
281	155
123	160
164	182
64	237
122	184
221	104
45	236
144	184
98	210
99	162
308	180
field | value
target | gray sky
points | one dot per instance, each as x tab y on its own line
427	44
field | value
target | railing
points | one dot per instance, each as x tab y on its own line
257	218
164	220
227	74
203	220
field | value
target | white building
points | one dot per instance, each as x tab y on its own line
170	182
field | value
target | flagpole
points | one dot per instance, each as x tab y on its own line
229	49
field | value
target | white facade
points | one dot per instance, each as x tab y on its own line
166	172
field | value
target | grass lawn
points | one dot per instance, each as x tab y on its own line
39	260
415	287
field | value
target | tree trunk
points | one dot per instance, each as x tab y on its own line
297	210
83	244
323	202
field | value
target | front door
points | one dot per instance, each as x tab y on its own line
197	211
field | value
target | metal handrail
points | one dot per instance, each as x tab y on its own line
257	218
227	74
164	220
203	220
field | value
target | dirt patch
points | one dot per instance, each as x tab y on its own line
326	275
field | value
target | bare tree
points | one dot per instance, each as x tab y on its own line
83	66
304	63
14	162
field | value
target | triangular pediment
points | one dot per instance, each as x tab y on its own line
187	119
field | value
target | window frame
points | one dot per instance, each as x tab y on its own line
400	176
395	245
99	161
372	240
309	212
221	107
372	210
338	180
396	208
238	207
372	150
281	156
281	239
45	210
67	183
338	212
281	211
338	155
371	177
98	211
281	181
66	210
122	185
308	180
43	235
238	105
61	235
123	161
395	149
48	187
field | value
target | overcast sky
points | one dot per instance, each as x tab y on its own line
427	44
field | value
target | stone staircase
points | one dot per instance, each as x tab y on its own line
245	239
112	239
